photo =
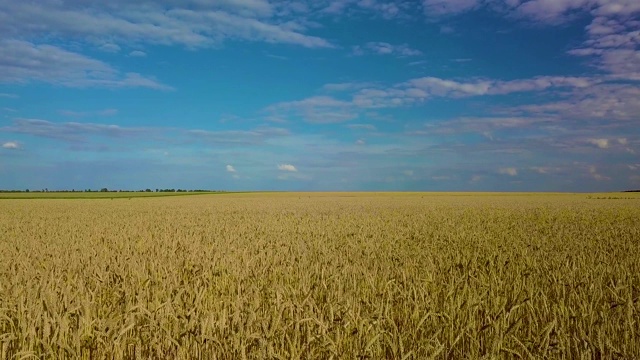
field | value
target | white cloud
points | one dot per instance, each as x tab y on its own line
230	169
12	145
601	143
408	173
287	167
511	171
360	142
8	96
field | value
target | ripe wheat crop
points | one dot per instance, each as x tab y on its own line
321	276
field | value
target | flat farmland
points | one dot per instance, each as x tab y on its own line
321	276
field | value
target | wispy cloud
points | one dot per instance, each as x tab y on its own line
69	131
383	48
593	171
80	114
387	10
434	8
511	171
541	169
612	42
368	127
418	90
612	102
346	86
483	125
110	48
443	87
22	61
237	137
195	24
137	53
384	9
83	132
316	109
328	109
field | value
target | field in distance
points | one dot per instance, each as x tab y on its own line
322	275
96	194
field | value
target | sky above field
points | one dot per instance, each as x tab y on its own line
320	95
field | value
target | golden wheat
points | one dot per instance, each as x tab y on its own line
302	276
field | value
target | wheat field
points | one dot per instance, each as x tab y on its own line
322	276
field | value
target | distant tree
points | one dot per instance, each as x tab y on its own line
104	190
27	190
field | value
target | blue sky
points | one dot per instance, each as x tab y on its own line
484	95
